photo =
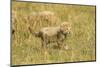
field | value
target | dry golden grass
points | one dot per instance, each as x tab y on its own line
26	49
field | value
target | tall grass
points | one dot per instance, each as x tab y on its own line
26	49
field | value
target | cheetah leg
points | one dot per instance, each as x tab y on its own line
59	44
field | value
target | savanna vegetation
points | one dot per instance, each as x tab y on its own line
26	48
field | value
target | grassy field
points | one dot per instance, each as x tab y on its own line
26	49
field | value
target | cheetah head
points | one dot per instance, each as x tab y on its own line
65	28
